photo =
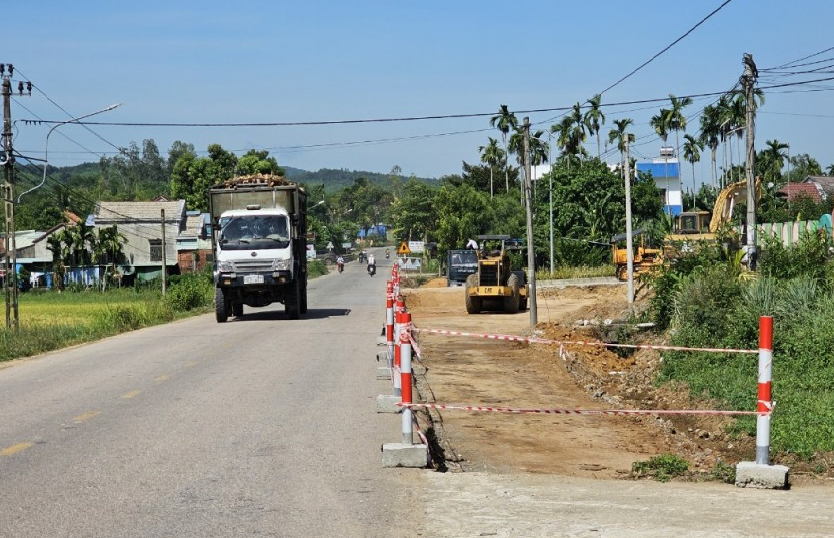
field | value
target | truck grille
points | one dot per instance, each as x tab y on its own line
253	266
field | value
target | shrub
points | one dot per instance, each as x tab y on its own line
663	468
188	292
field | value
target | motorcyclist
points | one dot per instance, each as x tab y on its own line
363	256
340	263
387	253
371	264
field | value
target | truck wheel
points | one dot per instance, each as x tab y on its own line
292	302
237	309
473	304
512	302
221	305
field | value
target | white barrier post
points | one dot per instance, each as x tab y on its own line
405	357
764	399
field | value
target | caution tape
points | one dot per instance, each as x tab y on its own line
535	340
544	411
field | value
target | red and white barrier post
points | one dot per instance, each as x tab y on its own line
764	400
398	332
405	367
389	322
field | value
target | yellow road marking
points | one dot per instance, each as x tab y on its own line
162	378
86	416
14	449
131	394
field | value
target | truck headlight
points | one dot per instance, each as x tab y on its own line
281	265
225	267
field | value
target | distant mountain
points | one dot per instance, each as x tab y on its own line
337	179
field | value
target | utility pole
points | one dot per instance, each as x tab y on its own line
10	259
164	260
531	256
747	81
629	240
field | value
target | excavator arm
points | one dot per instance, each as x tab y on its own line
727	199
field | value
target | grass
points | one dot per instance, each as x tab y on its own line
662	468
581	271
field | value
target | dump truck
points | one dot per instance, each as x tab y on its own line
459	265
259	236
495	286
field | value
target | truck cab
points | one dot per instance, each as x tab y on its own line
459	265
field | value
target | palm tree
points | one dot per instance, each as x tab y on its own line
710	129
830	170
492	155
660	124
773	158
692	152
620	136
594	119
571	132
676	121
504	121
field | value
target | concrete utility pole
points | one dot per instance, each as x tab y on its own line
164	260
10	259
531	256
629	240
747	81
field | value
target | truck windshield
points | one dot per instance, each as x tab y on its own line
466	257
254	232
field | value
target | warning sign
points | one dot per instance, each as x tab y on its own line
404	250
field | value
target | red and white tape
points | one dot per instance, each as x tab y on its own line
534	340
545	411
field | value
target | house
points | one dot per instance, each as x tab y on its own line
824	183
811	190
194	243
665	171
142	225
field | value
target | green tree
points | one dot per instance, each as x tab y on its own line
692	153
257	162
676	121
620	136
594	119
710	136
769	162
415	214
491	155
504	121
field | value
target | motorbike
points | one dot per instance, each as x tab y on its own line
340	266
372	269
387	254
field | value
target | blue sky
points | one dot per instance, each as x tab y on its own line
267	62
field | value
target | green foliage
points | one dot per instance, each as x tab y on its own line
662	468
811	256
316	268
723	472
190	291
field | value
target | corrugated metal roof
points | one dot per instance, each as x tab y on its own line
145	211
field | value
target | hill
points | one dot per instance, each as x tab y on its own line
337	179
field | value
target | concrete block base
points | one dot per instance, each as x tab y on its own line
754	475
381	340
388	404
383	373
400	455
382	357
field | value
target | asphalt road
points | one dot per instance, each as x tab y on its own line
262	426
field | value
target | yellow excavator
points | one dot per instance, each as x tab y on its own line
688	229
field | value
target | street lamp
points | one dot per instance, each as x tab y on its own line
46	148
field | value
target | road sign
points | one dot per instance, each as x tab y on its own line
416	247
404	250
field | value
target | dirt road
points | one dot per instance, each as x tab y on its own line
556	475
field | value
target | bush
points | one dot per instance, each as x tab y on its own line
190	291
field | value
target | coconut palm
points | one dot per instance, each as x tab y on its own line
571	133
692	153
492	155
504	121
830	170
594	119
